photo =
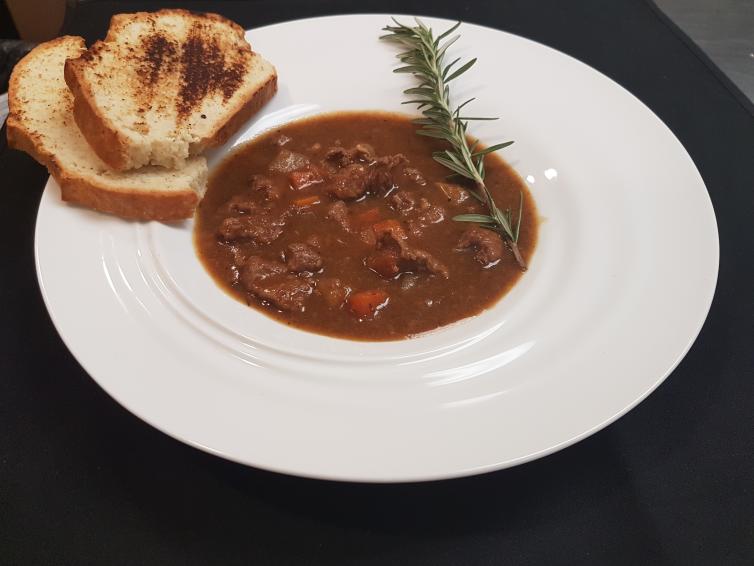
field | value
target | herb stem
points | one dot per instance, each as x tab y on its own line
503	222
517	254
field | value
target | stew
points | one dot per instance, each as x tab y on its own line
342	224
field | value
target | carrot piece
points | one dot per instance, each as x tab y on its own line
306	201
366	303
302	178
384	264
368	217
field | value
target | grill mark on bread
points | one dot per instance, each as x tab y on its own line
206	71
158	55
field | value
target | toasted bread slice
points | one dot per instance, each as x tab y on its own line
166	85
41	123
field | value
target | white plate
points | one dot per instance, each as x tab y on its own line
618	288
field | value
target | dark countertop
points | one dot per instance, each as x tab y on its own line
724	30
82	481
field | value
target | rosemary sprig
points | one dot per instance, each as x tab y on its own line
425	59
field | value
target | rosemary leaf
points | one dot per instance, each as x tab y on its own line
421	90
454	167
410	69
464	104
448	67
432	134
480	218
446	33
492	148
465	67
444	48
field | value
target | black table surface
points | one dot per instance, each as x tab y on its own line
82	481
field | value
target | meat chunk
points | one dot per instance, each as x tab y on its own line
390	243
302	257
409	281
350	182
287	161
243	204
288	293
338	211
263	186
340	157
425	216
392	238
255	269
333	291
454	193
363	152
487	245
314	241
402	201
239	257
260	194
415	175
355	179
302	178
425	205
257	229
379	180
391	161
269	280
425	261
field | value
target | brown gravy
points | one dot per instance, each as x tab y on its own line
342	225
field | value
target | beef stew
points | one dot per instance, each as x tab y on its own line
342	224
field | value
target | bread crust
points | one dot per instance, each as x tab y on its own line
101	134
119	19
87	191
107	141
165	207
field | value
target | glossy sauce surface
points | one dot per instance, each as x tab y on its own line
342	225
